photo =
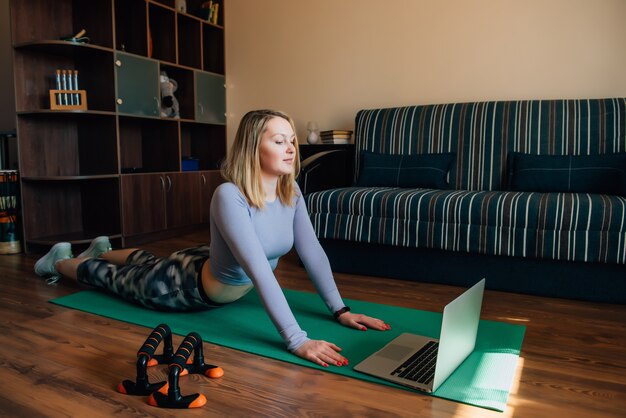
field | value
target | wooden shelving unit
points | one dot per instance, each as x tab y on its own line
116	168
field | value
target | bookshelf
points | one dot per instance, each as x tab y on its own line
116	168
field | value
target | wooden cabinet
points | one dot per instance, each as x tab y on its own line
155	202
209	180
183	199
340	158
116	168
308	150
166	200
143	208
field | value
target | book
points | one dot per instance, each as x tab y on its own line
336	141
336	132
209	11
336	136
216	7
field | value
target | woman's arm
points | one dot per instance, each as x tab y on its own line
230	214
314	258
318	267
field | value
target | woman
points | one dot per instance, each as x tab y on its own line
256	217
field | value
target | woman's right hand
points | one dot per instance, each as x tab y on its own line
322	353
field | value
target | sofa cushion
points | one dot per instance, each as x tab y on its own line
562	226
602	174
394	170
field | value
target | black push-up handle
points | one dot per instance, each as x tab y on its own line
160	333
146	358
169	396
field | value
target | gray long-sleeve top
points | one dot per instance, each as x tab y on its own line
247	242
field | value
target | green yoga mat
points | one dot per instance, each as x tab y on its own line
484	379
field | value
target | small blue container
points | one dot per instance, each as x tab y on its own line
190	164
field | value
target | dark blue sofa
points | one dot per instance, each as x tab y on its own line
529	194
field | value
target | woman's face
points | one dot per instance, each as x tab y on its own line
277	150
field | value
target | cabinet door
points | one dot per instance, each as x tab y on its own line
183	199
143	203
209	180
210	98
137	85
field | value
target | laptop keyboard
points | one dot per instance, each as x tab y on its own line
420	367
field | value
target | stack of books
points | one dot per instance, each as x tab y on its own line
336	137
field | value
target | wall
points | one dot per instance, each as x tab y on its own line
323	60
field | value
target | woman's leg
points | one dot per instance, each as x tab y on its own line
67	267
118	257
168	283
138	276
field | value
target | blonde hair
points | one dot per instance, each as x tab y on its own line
243	164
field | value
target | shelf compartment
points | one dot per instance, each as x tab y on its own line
67	144
75	210
38	74
68	17
131	30
185	91
162	30
148	145
213	48
189	44
205	142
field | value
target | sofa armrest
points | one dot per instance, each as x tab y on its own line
326	170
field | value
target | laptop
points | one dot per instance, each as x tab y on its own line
424	363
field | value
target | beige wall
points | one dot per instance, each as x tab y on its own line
323	60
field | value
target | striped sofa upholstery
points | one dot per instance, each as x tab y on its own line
477	214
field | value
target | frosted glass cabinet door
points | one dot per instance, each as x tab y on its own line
137	85
210	98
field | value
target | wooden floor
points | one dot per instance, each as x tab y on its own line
57	362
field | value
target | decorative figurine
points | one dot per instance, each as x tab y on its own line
169	104
181	6
314	133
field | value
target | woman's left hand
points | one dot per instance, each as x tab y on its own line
362	322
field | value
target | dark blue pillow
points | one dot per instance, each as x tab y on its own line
603	174
429	171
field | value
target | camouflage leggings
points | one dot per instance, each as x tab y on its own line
166	284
